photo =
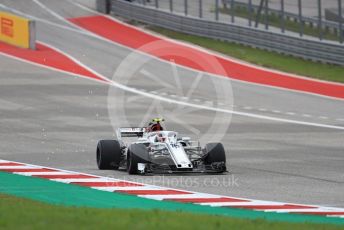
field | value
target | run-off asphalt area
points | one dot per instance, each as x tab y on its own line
53	119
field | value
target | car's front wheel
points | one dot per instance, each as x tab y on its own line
108	154
137	153
215	156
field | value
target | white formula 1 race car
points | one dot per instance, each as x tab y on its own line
159	151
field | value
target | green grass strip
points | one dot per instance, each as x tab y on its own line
259	57
17	213
72	195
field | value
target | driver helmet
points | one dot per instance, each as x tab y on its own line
155	125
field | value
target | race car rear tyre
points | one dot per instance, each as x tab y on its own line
215	153
137	153
108	154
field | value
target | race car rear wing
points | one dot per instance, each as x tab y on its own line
130	132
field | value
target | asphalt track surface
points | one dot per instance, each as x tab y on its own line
55	119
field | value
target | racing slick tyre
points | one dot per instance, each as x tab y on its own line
108	154
215	156
137	153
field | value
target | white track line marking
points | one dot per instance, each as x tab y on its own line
180	196
146	187
53	69
39	173
290	113
84	32
78	62
84	7
134	188
302	210
99	179
17	167
335	216
204	107
56	15
246	203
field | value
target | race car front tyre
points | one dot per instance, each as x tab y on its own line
137	153
215	156
108	154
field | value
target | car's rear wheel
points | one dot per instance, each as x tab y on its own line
108	154
137	153
215	156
